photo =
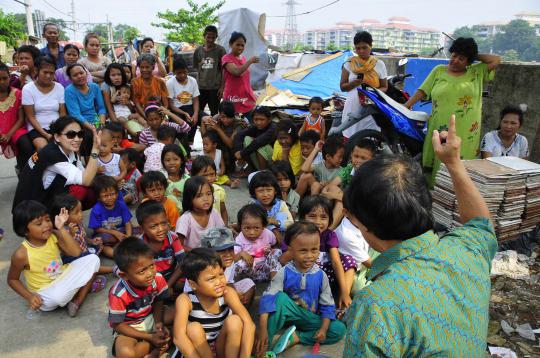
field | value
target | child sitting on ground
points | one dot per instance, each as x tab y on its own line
210	141
314	121
155	117
168	251
128	185
184	96
174	163
287	146
286	181
210	320
38	259
363	150
136	303
199	214
165	135
256	258
300	295
153	185
204	166
308	140
265	191
110	217
339	268
316	176
109	162
221	240
254	144
76	228
226	126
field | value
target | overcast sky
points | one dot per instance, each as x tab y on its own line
444	15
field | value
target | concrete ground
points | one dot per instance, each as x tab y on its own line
55	333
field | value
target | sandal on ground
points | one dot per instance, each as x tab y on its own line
285	340
73	309
99	283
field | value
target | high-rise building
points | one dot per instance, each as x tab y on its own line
398	34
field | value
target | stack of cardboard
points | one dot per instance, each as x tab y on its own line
512	194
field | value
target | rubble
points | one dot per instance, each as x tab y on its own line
515	305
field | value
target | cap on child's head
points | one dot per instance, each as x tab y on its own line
218	238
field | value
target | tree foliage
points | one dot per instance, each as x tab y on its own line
187	24
517	41
62	26
10	29
331	46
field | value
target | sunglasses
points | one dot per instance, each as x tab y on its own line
72	134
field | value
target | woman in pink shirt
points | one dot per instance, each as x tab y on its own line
237	88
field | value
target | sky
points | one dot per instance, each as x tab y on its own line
445	15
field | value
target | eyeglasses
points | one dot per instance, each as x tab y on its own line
72	134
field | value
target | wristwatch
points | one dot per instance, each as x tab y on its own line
94	155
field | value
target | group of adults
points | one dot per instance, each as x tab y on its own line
455	88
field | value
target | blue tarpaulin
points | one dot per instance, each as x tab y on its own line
420	68
322	81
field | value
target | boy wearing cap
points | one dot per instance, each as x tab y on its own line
221	240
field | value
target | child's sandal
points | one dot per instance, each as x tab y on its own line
99	284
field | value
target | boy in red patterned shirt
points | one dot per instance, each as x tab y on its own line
167	248
136	309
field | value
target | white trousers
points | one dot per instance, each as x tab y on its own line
62	290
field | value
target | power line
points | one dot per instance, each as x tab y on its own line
53	7
307	12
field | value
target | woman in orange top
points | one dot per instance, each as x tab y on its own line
148	87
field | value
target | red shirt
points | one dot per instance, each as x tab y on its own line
237	88
169	256
131	304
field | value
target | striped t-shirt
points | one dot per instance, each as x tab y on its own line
211	323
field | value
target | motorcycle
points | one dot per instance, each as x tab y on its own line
401	130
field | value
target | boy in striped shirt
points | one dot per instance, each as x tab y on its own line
136	309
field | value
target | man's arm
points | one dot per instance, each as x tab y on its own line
471	204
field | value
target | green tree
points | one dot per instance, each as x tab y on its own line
126	32
463	31
10	29
510	55
532	53
102	31
518	35
187	24
62	26
331	47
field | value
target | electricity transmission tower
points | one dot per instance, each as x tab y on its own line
290	37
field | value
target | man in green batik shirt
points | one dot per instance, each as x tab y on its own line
429	295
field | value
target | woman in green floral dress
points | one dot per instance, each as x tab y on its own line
456	89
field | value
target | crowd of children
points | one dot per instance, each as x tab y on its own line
185	272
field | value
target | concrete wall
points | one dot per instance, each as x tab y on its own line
514	83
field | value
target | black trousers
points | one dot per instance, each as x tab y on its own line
211	98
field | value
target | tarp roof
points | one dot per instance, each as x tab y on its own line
318	79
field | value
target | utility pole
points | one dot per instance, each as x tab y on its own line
29	22
73	20
291	31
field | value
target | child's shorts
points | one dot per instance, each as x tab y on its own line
265	151
146	326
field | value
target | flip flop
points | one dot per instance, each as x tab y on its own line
283	341
99	283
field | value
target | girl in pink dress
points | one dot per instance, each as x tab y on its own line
13	141
236	75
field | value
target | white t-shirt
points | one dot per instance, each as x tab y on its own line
182	95
112	167
492	143
46	105
72	170
352	242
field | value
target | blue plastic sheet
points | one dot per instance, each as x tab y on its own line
420	69
322	81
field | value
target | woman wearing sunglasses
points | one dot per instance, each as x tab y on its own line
57	167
